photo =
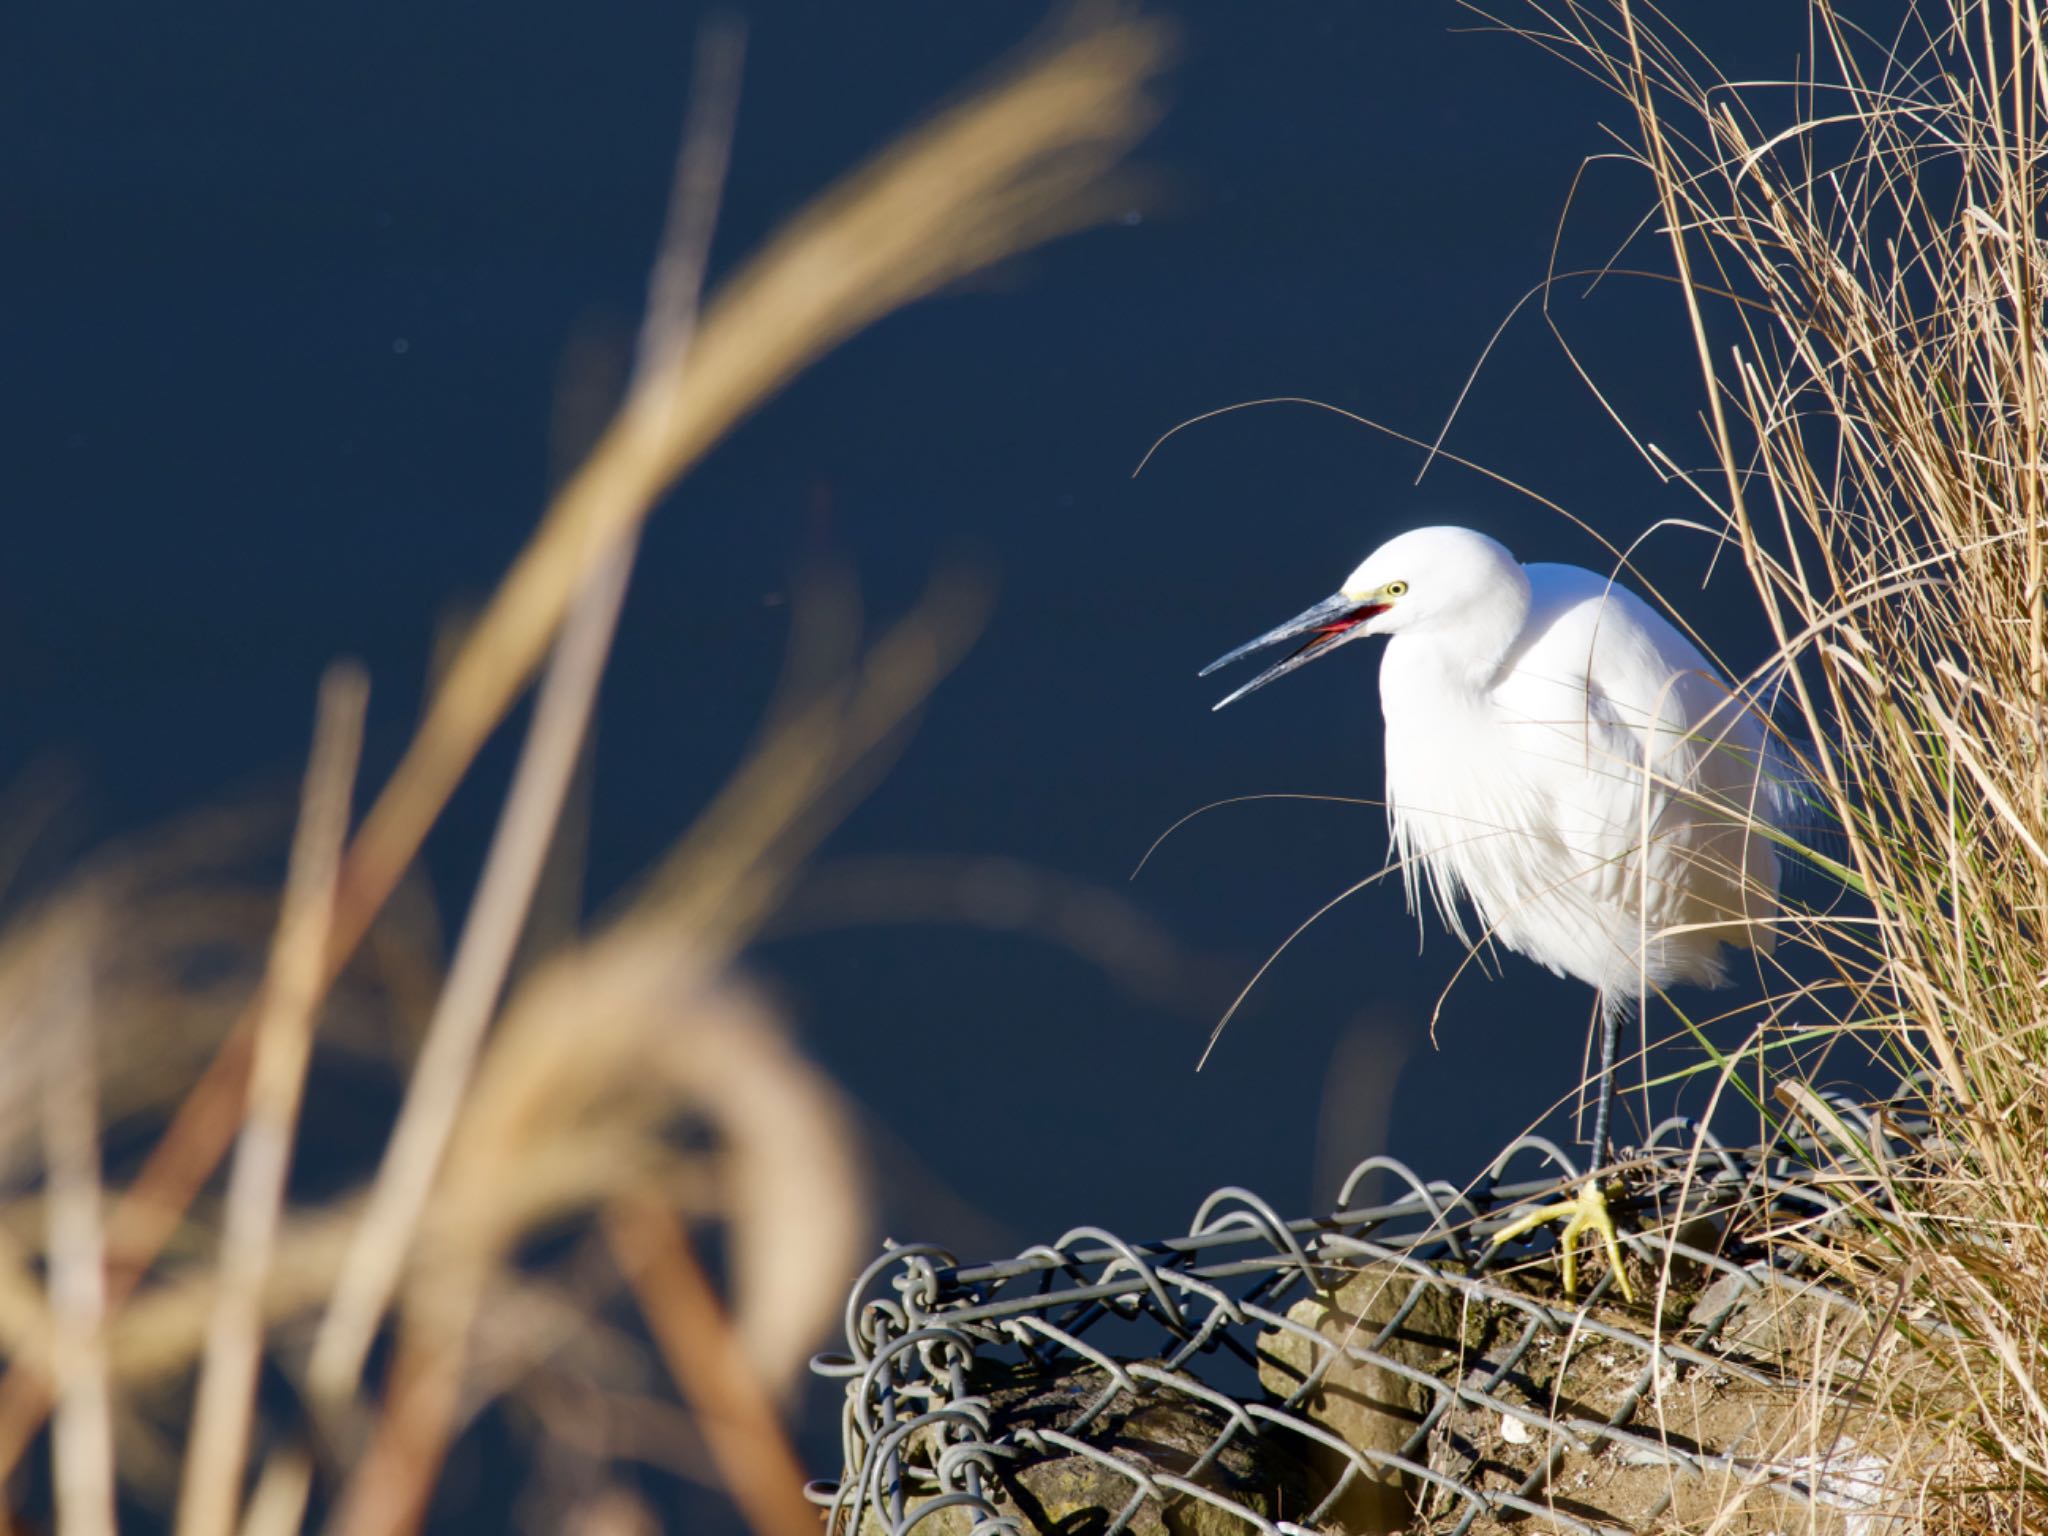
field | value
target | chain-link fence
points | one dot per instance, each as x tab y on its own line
1382	1368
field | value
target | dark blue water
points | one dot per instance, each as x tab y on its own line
289	296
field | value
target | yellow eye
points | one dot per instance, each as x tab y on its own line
1396	589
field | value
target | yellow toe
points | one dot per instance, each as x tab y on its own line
1585	1212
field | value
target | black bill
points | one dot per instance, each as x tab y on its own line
1328	625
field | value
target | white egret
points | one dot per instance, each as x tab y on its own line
1564	760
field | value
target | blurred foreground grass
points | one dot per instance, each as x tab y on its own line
566	1137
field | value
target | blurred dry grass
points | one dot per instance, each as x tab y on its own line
564	1130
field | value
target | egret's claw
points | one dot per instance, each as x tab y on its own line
1586	1212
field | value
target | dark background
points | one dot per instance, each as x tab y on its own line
289	293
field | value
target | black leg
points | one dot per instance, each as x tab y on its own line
1610	1034
1587	1211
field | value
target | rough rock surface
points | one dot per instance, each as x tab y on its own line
1694	1410
1371	1407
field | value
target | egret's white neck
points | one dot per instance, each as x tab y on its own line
1465	648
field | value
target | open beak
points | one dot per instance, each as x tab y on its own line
1327	625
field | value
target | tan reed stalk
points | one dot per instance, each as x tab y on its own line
533	805
210	1494
83	1451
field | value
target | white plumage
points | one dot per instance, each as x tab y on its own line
1561	757
1564	760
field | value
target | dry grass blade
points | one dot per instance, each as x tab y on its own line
160	1334
181	908
546	1042
1014	166
533	806
601	1052
225	1404
489	939
595	1057
711	1369
603	1048
84	1436
277	1505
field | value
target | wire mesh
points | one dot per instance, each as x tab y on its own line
1192	1390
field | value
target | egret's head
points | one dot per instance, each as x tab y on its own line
1429	575
1419	579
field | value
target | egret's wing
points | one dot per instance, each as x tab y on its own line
1649	769
1581	755
1705	797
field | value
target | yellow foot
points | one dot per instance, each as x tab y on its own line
1587	1212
